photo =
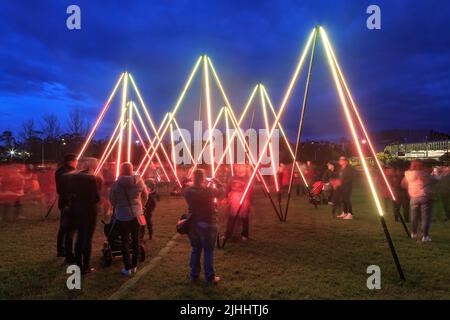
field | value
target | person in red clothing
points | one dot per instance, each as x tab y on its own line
11	192
235	191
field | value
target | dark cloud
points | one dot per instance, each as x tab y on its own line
399	75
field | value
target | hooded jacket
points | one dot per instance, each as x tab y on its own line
418	184
137	193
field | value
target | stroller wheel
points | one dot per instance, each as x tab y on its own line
107	256
141	253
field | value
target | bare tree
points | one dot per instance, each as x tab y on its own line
76	124
51	128
29	131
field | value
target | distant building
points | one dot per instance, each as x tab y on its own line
419	150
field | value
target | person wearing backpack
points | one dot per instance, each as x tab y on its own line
128	194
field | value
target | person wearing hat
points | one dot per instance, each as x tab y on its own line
346	175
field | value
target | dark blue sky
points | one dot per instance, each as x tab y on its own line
399	75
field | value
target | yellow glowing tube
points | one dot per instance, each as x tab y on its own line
124	100
144	107
283	105
130	119
172	143
284	136
145	149
206	143
100	117
350	122
208	110
233	119
154	148
177	105
188	148
97	170
361	123
266	121
244	112
149	118
229	152
163	122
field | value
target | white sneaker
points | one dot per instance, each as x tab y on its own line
426	239
348	216
342	215
413	236
125	272
244	238
133	270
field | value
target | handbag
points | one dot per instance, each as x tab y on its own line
140	218
183	224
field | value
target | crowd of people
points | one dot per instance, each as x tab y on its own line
82	195
79	191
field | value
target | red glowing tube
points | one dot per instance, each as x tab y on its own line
230	153
266	120
206	143
236	124
130	120
177	105
156	134
252	160
99	167
100	163
122	124
172	145
147	114
281	110
284	137
100	117
208	111
152	146
152	143
366	135
146	150
231	140
184	141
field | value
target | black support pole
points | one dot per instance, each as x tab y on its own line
300	127
392	248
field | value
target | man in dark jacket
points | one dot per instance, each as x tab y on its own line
69	165
203	225
346	175
83	190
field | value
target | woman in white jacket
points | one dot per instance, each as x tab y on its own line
419	183
128	194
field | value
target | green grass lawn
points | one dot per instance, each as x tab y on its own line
311	256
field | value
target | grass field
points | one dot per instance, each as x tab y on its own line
311	256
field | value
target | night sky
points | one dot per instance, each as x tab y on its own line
399	75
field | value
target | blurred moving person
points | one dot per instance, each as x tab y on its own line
202	225
419	183
235	191
69	165
128	195
401	195
12	184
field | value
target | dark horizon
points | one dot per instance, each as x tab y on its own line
398	75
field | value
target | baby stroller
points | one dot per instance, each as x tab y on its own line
315	193
112	246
